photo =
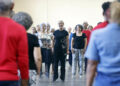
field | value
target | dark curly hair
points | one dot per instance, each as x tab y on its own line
80	26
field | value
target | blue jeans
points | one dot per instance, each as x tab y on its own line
106	80
9	83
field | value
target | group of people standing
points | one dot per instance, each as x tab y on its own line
57	44
26	52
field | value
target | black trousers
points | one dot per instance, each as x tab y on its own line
48	60
70	57
86	61
9	83
59	57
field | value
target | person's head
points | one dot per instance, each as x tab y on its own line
79	28
69	30
48	27
38	28
52	30
43	27
23	19
85	25
34	30
6	6
61	24
115	12
90	27
118	0
106	10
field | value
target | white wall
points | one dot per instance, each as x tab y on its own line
71	11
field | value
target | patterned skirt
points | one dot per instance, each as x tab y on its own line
33	78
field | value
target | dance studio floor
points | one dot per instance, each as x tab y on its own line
70	81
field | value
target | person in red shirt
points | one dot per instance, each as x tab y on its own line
13	48
106	14
86	31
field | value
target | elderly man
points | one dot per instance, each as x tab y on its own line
61	48
13	48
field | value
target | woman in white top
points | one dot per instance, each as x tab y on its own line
48	59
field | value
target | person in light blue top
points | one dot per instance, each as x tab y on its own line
70	40
103	53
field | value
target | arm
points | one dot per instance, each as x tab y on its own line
22	57
85	44
53	43
91	70
67	44
72	42
38	58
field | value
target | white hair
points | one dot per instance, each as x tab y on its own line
6	5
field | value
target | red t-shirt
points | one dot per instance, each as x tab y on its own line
100	26
13	50
88	33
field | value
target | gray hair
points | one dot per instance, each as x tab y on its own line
6	5
23	19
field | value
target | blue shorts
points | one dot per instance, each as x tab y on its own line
9	83
105	80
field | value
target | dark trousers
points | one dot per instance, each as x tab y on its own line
86	61
59	57
48	60
9	83
70	57
43	52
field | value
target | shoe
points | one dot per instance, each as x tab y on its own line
47	75
63	79
80	75
54	79
41	74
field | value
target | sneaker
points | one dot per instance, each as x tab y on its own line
47	75
41	74
55	78
80	75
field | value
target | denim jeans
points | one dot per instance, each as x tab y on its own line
9	83
77	60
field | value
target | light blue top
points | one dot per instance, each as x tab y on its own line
104	47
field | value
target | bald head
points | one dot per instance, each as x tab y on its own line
6	5
85	25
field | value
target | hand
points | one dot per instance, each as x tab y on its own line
52	50
67	51
24	83
72	50
84	51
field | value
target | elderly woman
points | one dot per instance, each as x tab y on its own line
103	53
78	47
48	58
34	48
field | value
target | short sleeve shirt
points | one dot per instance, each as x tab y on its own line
60	40
104	47
79	41
32	42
